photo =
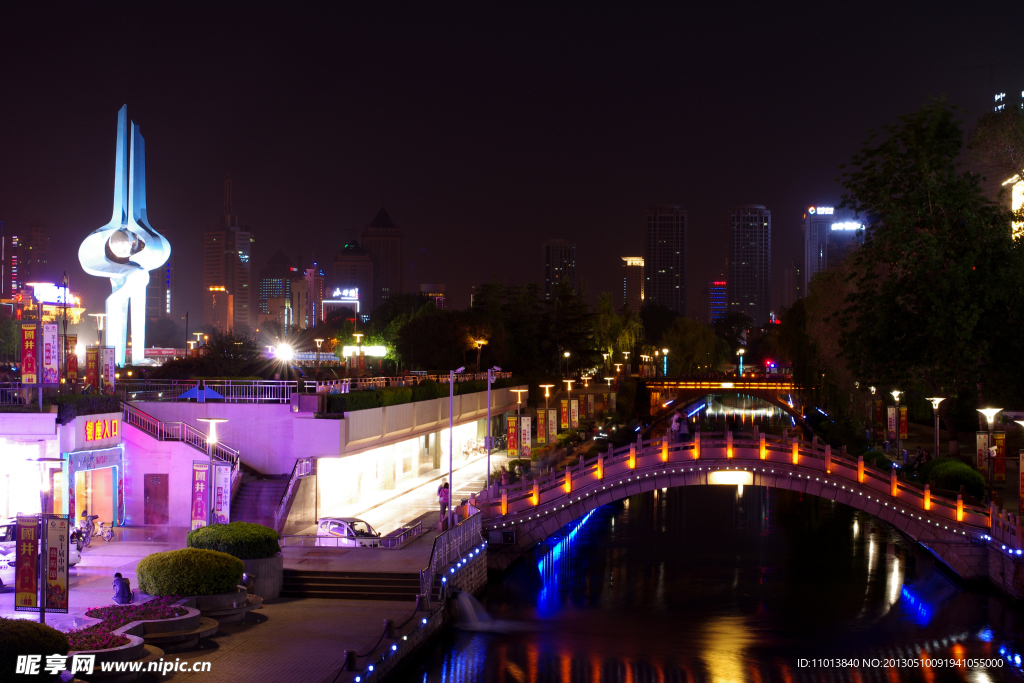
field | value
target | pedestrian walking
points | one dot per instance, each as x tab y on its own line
443	498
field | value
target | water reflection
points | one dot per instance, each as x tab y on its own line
706	584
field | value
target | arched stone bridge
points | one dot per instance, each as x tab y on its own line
689	389
974	542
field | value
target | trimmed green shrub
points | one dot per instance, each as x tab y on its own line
953	474
244	540
190	571
924	473
879	460
70	406
393	396
356	400
24	637
427	390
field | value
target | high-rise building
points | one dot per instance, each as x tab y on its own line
353	269
633	282
218	308
828	234
26	258
792	284
665	258
159	300
559	259
383	240
717	301
434	292
227	253
750	261
274	291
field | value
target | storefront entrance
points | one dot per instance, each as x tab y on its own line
94	491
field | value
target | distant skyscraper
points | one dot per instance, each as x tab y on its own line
227	253
383	240
26	258
792	285
717	301
559	264
434	292
665	258
750	261
159	300
633	282
353	269
828	234
275	282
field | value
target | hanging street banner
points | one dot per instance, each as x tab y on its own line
200	492
890	431
542	427
524	438
613	403
982	438
903	422
1020	470
590	406
71	358
513	438
222	493
92	366
56	554
574	413
29	371
552	426
564	422
51	356
999	466
26	568
108	369
879	412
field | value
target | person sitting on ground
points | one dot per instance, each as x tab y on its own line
122	590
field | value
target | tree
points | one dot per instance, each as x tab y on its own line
693	347
435	341
656	319
997	143
733	329
928	272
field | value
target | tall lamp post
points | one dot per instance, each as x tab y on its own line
99	326
211	443
740	352
990	415
899	442
568	383
664	360
547	394
480	343
566	354
490	439
451	440
185	318
318	343
936	400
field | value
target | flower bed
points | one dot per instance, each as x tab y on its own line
102	637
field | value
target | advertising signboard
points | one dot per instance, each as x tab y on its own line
612	403
108	368
71	358
982	440
890	431
55	550
903	422
552	426
29	363
92	366
26	568
590	406
513	437
51	356
524	437
222	493
564	421
200	492
999	466
574	413
542	427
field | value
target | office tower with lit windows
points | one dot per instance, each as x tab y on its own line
382	239
559	258
160	301
26	258
828	234
750	261
665	258
633	282
792	284
227	253
353	269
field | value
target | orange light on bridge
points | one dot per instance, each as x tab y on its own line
600	466
728	444
860	469
696	445
960	509
927	497
664	448
504	503
632	456
894	483
763	449
568	481
796	452
536	493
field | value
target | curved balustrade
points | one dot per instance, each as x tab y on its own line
763	457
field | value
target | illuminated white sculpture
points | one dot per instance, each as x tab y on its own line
127	248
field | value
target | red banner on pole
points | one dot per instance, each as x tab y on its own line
513	438
524	437
903	422
999	466
70	358
92	366
26	569
542	427
564	422
29	362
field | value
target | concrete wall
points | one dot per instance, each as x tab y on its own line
145	455
302	514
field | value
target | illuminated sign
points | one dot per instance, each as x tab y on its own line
847	226
97	430
346	293
821	210
375	351
49	293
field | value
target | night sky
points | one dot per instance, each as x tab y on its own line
487	127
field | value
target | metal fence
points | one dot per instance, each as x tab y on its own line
396	539
178	431
449	547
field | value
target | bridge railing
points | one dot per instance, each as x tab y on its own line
744	448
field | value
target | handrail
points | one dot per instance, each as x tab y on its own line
302	468
448	547
390	542
179	431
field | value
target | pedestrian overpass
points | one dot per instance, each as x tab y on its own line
778	392
972	541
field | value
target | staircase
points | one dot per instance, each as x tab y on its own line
350	585
257	500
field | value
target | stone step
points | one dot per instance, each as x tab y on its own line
174	641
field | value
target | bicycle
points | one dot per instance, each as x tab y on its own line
107	531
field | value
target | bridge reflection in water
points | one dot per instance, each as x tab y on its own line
702	584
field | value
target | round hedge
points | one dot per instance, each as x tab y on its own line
24	637
953	474
190	571
244	540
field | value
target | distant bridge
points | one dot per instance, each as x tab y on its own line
689	389
965	537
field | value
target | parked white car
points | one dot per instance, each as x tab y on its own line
346	532
7	551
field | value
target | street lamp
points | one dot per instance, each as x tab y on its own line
740	353
664	360
318	343
490	439
566	354
899	443
479	345
99	326
990	415
211	443
935	409
547	394
451	440
519	397
618	368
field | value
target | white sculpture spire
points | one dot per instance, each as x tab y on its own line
127	248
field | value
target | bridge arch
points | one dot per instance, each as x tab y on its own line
687	390
526	514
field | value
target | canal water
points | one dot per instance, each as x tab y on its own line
727	586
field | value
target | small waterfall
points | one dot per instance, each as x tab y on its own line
472	615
